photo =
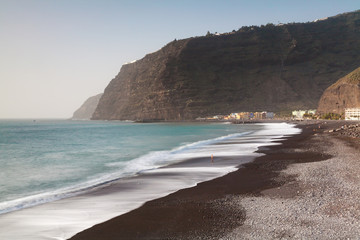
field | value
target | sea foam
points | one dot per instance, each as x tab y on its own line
84	205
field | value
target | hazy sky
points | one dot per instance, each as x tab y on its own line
54	54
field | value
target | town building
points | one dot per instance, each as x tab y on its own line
270	115
250	115
298	114
352	113
244	115
302	114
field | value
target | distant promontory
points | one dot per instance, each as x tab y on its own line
87	108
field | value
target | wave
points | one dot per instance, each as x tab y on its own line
76	214
250	140
150	161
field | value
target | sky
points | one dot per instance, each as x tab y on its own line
54	54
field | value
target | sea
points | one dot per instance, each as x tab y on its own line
53	172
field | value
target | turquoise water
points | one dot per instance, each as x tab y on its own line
46	160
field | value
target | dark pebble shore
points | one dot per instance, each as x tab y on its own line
218	209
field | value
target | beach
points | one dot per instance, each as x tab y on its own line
183	162
170	120
305	188
297	180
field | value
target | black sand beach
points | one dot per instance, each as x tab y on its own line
222	208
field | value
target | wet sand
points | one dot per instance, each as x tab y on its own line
214	209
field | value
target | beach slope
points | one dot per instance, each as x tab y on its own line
305	188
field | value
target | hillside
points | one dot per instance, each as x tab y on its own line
272	68
345	93
87	109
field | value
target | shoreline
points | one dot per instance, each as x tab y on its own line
212	209
207	193
64	218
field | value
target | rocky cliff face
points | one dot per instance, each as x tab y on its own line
139	92
345	93
273	68
87	109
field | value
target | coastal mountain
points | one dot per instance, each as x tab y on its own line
345	93
87	108
268	68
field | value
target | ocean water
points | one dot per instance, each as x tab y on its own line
47	160
53	171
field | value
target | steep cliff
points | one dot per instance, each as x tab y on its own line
345	93
87	108
273	68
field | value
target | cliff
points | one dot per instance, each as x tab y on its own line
87	108
273	68
345	93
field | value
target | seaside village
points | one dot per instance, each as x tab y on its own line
241	116
298	115
351	114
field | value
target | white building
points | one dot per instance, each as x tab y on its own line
299	114
352	113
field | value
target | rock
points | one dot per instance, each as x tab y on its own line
87	108
272	68
345	93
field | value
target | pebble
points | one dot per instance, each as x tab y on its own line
326	205
352	130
